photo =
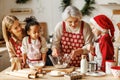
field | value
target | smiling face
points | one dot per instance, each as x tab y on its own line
16	29
34	32
95	31
72	21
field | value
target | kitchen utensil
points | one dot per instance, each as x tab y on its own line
27	73
92	66
58	62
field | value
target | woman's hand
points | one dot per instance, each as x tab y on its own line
76	52
55	52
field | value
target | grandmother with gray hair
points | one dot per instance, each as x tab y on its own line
71	36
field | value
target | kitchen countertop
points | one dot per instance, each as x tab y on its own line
4	76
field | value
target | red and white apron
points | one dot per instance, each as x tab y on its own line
33	52
17	47
71	41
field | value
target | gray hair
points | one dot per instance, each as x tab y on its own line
71	11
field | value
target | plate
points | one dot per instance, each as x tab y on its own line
78	69
95	73
56	73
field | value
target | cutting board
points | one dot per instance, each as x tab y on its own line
50	68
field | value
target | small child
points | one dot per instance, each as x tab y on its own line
103	29
34	46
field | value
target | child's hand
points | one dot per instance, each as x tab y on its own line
76	52
25	65
91	48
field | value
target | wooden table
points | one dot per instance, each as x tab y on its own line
4	76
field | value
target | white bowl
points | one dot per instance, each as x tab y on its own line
115	71
61	66
37	65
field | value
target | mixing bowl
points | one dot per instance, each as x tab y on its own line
36	65
58	62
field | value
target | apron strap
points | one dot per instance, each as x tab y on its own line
63	25
82	25
81	31
12	41
29	39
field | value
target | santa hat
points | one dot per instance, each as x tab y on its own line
103	23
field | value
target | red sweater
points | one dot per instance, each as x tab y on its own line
106	48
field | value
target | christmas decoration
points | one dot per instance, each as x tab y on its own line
87	8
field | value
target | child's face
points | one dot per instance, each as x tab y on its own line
34	32
72	22
95	31
16	29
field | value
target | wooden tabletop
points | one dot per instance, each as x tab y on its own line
4	76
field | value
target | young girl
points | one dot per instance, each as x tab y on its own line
103	29
34	46
13	35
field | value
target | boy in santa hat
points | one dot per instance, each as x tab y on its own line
103	29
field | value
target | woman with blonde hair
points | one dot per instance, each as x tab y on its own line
13	35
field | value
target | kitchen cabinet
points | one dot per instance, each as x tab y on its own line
4	58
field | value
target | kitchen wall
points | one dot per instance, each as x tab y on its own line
49	10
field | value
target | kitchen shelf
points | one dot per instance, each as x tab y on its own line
116	11
21	10
110	4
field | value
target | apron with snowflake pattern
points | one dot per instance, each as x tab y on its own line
71	41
